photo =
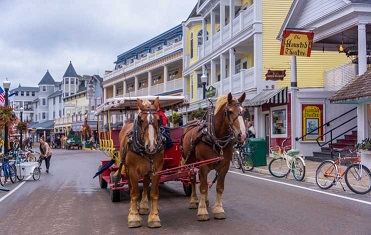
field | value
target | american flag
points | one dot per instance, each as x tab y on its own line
2	95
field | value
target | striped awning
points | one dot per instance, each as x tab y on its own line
275	96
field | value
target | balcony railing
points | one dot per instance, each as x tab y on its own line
339	76
150	57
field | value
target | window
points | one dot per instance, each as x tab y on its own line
199	37
43	88
72	81
33	93
60	99
191	42
53	100
142	84
53	114
60	113
237	66
67	81
279	122
191	91
172	74
22	93
44	116
156	79
27	93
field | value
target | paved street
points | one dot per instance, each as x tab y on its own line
69	201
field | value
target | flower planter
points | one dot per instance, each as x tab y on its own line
366	158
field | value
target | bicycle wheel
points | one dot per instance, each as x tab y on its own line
235	160
247	162
12	173
278	167
2	176
358	178
326	174
20	177
298	169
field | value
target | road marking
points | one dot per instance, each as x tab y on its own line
301	187
15	189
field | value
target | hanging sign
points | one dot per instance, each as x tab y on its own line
296	43
275	75
312	117
210	92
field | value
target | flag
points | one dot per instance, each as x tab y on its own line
2	96
13	93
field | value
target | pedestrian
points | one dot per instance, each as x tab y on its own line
250	130
46	152
1	144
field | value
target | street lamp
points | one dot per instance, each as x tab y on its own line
21	116
203	81
6	85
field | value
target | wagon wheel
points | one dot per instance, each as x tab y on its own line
102	182
115	195
187	189
36	173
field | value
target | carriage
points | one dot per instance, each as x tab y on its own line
109	144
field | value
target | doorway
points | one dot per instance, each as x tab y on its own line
267	131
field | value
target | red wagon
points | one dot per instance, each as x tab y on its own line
109	144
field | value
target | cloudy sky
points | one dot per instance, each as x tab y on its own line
41	35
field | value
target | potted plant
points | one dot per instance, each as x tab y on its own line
365	149
21	126
365	145
175	118
7	117
199	113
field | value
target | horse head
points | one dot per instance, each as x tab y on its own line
234	116
148	124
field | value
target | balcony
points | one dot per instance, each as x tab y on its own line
339	76
149	58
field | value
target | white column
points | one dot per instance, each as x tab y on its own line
69	86
204	33
212	30
149	82
135	85
362	50
124	87
231	67
166	74
258	61
114	91
105	94
231	17
222	70
294	116
213	72
184	46
222	21
361	122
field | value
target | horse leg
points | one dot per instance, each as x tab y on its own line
203	214
218	206
144	208
193	203
154	218
134	219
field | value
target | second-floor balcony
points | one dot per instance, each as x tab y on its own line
68	120
158	88
339	76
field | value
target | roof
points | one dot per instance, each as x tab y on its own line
47	79
99	78
275	96
70	72
130	103
47	125
356	91
194	12
361	1
55	94
25	88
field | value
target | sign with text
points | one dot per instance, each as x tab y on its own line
312	121
275	75
210	92
296	43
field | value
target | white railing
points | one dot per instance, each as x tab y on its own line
226	88
150	56
226	35
208	47
174	84
216	40
339	76
248	16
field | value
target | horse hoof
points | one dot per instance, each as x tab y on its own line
154	224
204	217
193	205
143	211
134	224
219	215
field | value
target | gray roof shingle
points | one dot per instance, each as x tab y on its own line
47	79
55	94
70	72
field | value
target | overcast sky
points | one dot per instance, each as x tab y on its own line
41	35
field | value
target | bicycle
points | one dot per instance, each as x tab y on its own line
357	176
7	171
242	158
285	161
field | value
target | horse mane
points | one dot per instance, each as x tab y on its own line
147	103
222	100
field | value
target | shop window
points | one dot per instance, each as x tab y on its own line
279	122
191	42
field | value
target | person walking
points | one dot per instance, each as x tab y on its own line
46	152
250	130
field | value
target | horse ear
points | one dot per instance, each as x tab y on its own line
156	103
242	98
230	97
140	104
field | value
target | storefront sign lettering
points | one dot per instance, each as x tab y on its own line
312	117
275	75
296	43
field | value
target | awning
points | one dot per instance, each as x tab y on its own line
275	96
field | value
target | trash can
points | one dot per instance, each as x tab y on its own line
88	144
259	148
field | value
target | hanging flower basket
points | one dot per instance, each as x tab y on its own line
199	113
175	118
7	116
21	126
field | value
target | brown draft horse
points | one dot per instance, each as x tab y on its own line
142	153
214	138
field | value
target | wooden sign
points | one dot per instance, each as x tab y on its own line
296	43
275	75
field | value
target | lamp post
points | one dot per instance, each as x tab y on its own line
6	85
203	81
21	116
